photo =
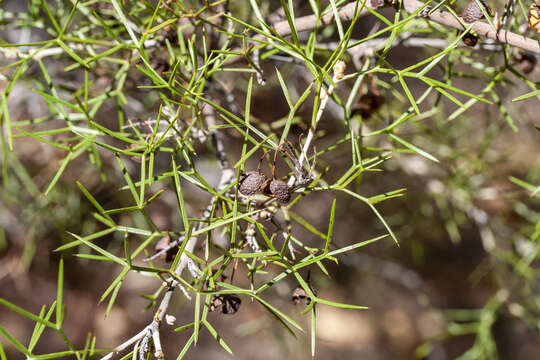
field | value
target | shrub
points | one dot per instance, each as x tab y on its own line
209	139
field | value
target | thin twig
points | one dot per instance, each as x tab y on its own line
339	69
227	176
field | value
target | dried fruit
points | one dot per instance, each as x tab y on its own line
251	183
228	303
280	190
526	62
300	294
473	12
534	17
368	104
160	65
470	39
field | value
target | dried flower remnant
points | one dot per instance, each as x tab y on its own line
170	319
339	69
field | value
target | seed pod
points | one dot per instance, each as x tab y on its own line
472	12
280	190
251	183
375	4
300	294
470	39
526	62
368	104
160	65
534	17
228	303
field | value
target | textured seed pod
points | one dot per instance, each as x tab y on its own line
472	12
526	63
251	182
300	294
534	17
228	303
368	104
280	190
470	39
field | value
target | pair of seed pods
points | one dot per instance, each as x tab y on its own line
256	182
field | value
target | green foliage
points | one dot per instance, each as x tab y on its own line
185	68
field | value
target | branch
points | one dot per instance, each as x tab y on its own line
227	177
339	69
346	12
481	28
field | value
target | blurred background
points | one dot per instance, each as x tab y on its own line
464	279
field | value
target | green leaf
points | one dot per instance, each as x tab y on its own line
179	195
353	194
330	227
532	188
7	121
279	315
125	22
527	95
14	341
216	336
59	173
103	252
26	314
414	148
340	305
59	293
186	347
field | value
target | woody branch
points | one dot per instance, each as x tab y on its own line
446	18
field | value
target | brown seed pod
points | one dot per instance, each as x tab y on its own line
251	183
472	12
470	39
368	104
534	17
160	65
228	303
300	294
526	62
280	190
